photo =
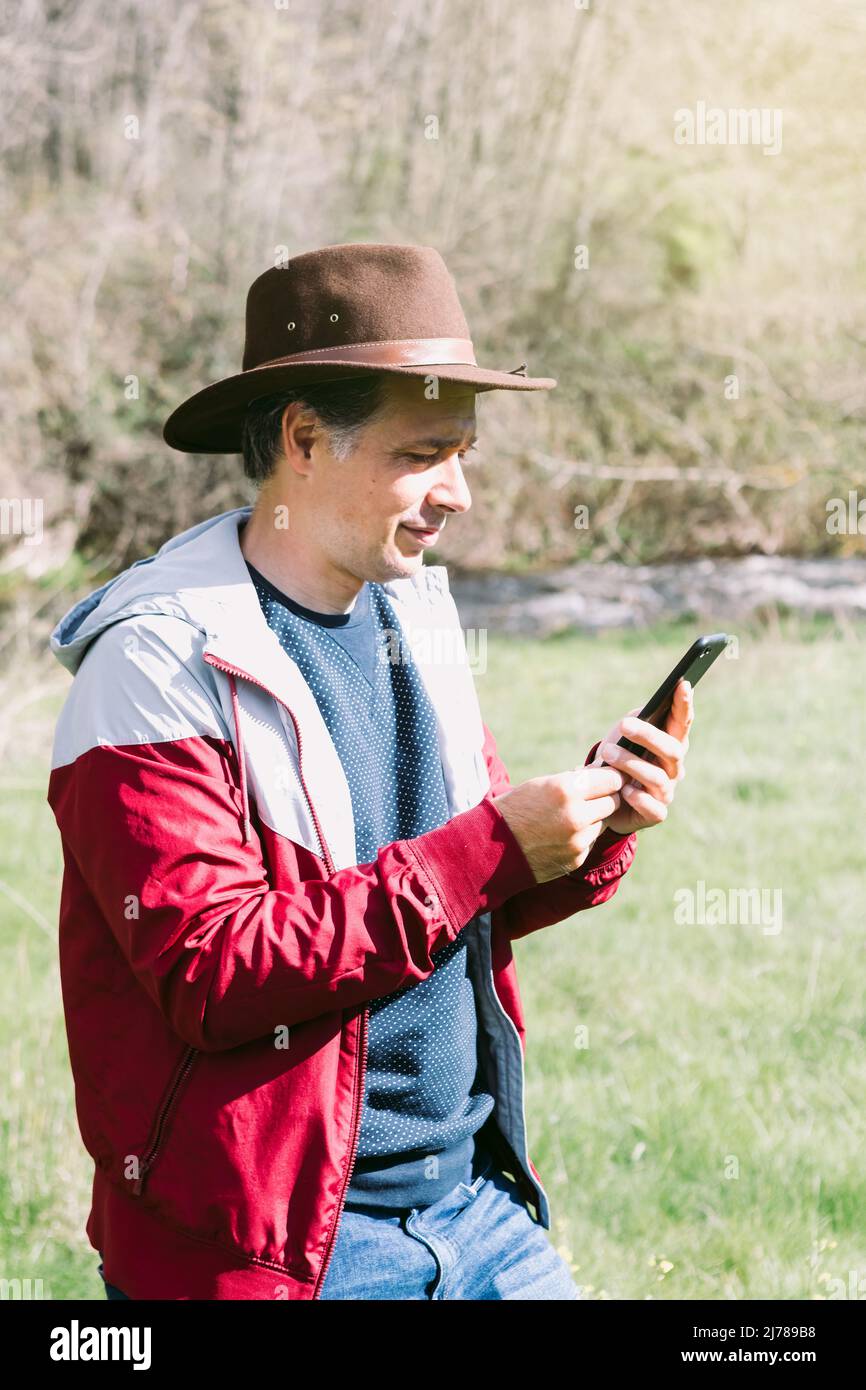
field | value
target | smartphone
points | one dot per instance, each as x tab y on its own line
696	662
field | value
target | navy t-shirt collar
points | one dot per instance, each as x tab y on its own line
359	613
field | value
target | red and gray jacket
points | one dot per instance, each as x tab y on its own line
219	944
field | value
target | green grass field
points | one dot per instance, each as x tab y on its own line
705	1138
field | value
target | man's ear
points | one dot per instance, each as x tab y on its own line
298	433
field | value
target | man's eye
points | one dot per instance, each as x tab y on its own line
432	458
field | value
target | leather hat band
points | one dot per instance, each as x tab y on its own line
392	352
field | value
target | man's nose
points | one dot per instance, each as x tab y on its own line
450	489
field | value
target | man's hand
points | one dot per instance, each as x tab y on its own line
557	820
646	798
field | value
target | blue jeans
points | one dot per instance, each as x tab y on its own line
477	1242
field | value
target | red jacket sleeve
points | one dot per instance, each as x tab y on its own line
153	829
593	883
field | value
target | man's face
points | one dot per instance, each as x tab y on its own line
377	511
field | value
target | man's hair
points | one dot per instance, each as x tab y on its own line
343	407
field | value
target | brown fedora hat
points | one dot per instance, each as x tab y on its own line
343	310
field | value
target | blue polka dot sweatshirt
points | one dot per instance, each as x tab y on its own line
425	1096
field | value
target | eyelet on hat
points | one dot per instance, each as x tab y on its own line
290	325
334	318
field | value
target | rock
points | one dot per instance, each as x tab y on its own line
590	597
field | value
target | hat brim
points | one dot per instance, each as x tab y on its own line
210	422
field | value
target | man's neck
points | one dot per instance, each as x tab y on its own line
294	569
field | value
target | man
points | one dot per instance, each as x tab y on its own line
293	861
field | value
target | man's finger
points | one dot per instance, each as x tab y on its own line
682	713
653	776
651	811
660	741
598	781
600	807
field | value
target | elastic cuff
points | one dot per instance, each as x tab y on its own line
609	846
475	860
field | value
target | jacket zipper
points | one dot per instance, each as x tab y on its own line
358	1102
360	1074
150	1157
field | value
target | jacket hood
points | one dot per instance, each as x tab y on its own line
150	585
